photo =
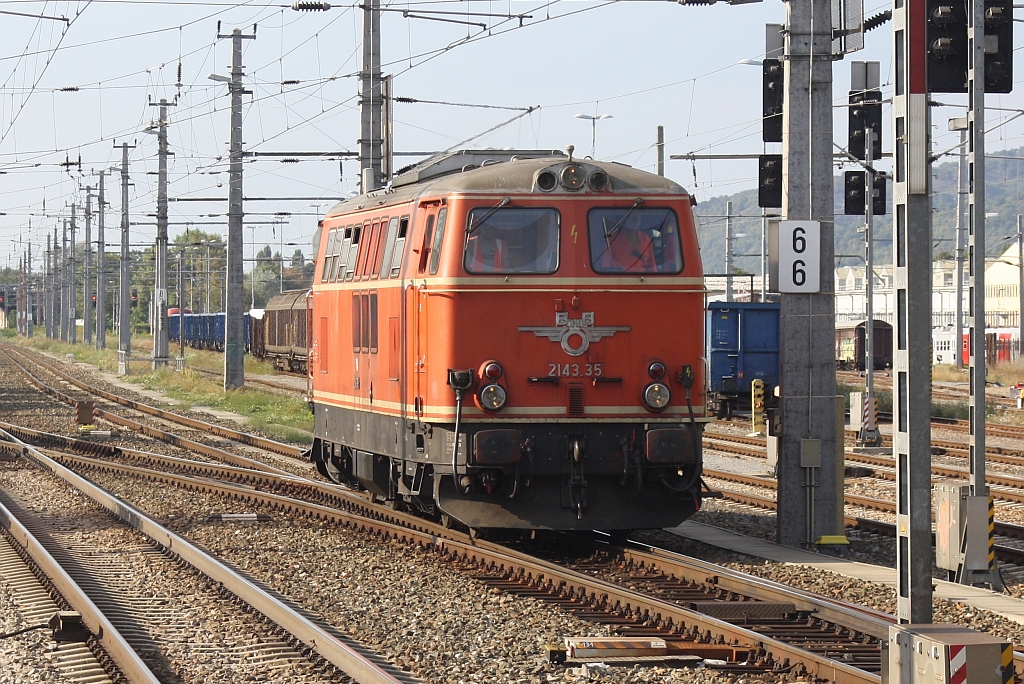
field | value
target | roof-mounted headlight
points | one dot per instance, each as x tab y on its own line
573	177
547	181
598	181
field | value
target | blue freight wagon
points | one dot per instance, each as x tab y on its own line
742	344
203	331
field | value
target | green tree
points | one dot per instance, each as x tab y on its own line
205	259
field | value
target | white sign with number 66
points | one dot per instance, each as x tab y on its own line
799	256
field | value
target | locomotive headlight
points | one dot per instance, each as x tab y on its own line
493	396
573	177
657	396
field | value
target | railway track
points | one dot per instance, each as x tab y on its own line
750	633
114	602
256	381
651	602
939	392
1004	487
203	427
845	652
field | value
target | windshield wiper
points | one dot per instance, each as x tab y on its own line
489	214
618	224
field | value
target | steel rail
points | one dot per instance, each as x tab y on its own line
996	454
1007	482
249	379
107	636
227	433
351	500
668	561
1007	553
563	581
156	433
323	642
859	618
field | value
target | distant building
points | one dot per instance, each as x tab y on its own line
851	295
1002	293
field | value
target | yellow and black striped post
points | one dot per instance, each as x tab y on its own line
1007	663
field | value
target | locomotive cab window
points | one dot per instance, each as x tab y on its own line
424	250
633	240
435	251
512	240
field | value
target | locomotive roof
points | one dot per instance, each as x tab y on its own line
505	174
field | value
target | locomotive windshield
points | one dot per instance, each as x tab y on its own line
512	240
634	240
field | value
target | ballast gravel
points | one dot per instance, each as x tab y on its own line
194	634
422	612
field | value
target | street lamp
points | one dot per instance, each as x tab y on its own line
593	119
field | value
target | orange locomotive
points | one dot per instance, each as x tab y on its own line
513	340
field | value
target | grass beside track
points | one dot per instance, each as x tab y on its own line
280	416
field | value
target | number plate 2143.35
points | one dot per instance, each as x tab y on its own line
575	370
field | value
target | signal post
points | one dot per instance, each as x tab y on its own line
808	462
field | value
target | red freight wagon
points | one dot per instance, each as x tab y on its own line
513	340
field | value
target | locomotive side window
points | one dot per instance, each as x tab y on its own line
380	235
435	251
353	251
396	259
367	324
633	240
343	244
372	249
384	266
336	253
372	298
328	253
357	309
512	240
365	246
428	235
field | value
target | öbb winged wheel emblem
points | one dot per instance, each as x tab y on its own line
575	334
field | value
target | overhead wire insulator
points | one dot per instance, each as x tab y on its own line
310	6
877	20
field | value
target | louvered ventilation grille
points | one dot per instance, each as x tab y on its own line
575	401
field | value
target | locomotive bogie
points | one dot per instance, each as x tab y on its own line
490	347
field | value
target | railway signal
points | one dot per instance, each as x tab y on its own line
853	194
771	125
865	112
773	86
769	180
948	46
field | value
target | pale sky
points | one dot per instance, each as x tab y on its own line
644	63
